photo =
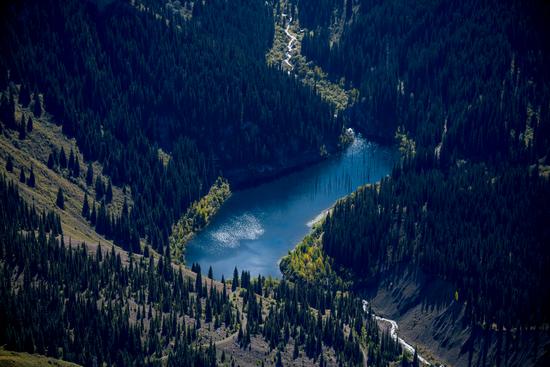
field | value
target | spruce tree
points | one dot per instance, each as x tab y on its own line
198	283
109	192
31	181
76	168
99	188
37	109
93	215
29	124
24	95
22	177
9	164
210	273
62	158
86	207
71	161
60	201
22	129
208	312
90	174
279	362
235	282
51	161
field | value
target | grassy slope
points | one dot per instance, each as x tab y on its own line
33	151
16	359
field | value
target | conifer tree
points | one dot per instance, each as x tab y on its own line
29	124
109	192
99	188
9	164
86	207
37	109
210	273
224	291
24	96
22	129
62	158
235	282
208	312
90	174
71	161
279	362
76	168
31	181
22	177
93	215
198	282
51	161
60	201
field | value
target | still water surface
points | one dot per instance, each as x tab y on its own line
259	225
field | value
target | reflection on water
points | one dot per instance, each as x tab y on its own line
257	226
238	228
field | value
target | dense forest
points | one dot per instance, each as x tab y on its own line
167	104
484	231
126	81
465	84
146	312
123	314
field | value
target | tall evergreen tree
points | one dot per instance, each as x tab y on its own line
29	124
76	168
9	164
51	160
109	191
62	158
37	108
24	95
22	177
279	361
22	128
71	161
99	188
60	200
235	282
90	174
86	207
32	180
93	215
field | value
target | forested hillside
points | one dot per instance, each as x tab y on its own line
464	87
125	80
95	309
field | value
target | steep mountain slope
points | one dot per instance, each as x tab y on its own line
34	151
113	120
463	86
126	80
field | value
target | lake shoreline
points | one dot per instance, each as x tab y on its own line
259	224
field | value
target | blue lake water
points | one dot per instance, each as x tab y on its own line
259	225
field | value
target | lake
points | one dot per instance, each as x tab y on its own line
259	225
